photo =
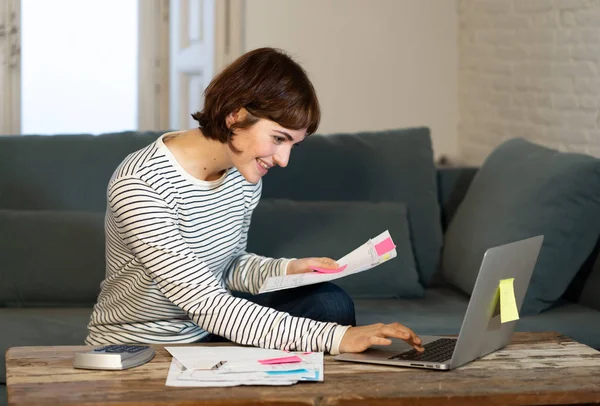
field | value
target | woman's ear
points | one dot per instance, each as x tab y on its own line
236	116
230	120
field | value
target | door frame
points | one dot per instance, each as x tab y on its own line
153	60
153	65
10	67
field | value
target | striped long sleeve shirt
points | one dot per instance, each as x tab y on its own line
175	249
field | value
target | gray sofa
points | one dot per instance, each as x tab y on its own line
338	191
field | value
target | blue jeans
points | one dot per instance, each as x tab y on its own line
321	302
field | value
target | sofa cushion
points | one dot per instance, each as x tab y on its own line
47	326
284	228
395	165
50	257
523	190
62	172
441	311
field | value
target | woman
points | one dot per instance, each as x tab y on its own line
177	222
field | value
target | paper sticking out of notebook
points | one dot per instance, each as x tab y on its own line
372	253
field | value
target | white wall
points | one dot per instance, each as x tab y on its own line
376	64
529	69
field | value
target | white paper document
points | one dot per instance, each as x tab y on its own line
372	253
205	366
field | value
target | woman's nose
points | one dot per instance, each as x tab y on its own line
282	157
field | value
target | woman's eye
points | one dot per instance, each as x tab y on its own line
279	140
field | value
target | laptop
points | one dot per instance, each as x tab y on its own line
482	331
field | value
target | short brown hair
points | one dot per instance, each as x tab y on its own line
269	84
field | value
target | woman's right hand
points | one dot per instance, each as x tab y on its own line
358	339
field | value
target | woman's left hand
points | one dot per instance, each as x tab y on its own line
303	265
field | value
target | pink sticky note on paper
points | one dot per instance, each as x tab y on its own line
384	246
282	360
323	270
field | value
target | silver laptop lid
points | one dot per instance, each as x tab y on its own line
481	331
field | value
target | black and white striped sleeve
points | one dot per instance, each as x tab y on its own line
148	227
248	271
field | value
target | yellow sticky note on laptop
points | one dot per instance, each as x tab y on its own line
508	304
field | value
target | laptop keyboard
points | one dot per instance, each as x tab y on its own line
436	351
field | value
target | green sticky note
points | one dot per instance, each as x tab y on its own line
508	304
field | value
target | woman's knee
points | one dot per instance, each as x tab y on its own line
336	305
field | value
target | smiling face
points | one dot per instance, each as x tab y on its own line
262	146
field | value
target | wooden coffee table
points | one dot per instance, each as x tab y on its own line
536	368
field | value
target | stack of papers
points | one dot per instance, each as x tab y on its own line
372	253
233	366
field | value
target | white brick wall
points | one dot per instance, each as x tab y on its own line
528	68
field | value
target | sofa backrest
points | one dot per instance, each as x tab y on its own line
58	183
384	166
62	172
53	199
52	206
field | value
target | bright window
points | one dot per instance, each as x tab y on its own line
79	66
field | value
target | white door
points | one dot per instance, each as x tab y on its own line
205	35
192	53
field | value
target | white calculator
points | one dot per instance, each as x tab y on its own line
114	357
